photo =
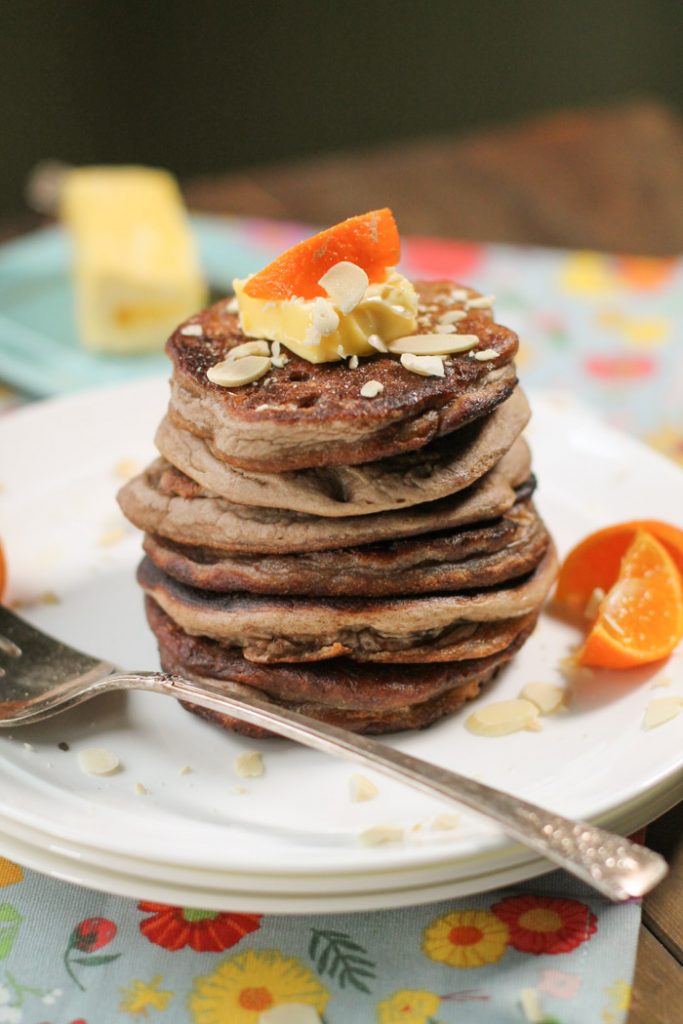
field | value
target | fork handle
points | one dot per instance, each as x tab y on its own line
616	867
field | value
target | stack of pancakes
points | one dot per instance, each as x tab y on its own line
371	562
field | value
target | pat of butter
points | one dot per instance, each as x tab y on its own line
319	332
136	269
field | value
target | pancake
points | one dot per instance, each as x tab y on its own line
443	467
274	628
341	683
460	559
305	414
414	716
164	502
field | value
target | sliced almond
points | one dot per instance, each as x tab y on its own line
232	305
249	764
547	697
445	329
503	717
452	316
346	284
353	362
484	354
593	604
192	330
233	373
661	710
380	834
425	366
249	348
362	788
371	389
433	344
480	302
377	343
98	761
445	822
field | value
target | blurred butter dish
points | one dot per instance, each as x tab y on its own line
135	264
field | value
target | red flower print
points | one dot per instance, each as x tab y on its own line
205	931
88	935
434	257
92	934
541	925
620	367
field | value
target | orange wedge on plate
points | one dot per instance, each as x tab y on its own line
595	562
641	618
370	241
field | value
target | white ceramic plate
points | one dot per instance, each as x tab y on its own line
295	830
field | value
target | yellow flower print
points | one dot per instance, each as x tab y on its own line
141	996
10	873
243	987
466	938
668	440
619	995
588	274
408	1006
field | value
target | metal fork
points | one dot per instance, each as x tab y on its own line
41	676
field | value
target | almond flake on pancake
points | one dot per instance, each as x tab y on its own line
371	389
233	373
480	302
424	366
433	344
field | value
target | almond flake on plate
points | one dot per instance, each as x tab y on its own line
371	389
140	790
98	761
424	366
445	822
661	710
362	788
346	284
503	717
380	834
249	764
233	373
547	697
433	344
125	469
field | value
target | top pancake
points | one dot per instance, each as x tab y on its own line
306	414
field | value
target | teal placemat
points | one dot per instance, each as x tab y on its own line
39	350
69	956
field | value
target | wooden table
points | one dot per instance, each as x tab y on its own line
608	179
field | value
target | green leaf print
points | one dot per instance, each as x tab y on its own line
10	920
337	955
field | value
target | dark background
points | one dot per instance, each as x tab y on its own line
210	86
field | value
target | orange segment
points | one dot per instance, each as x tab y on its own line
595	562
370	241
641	618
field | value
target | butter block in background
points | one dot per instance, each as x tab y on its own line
136	269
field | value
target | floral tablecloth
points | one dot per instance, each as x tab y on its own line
608	328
